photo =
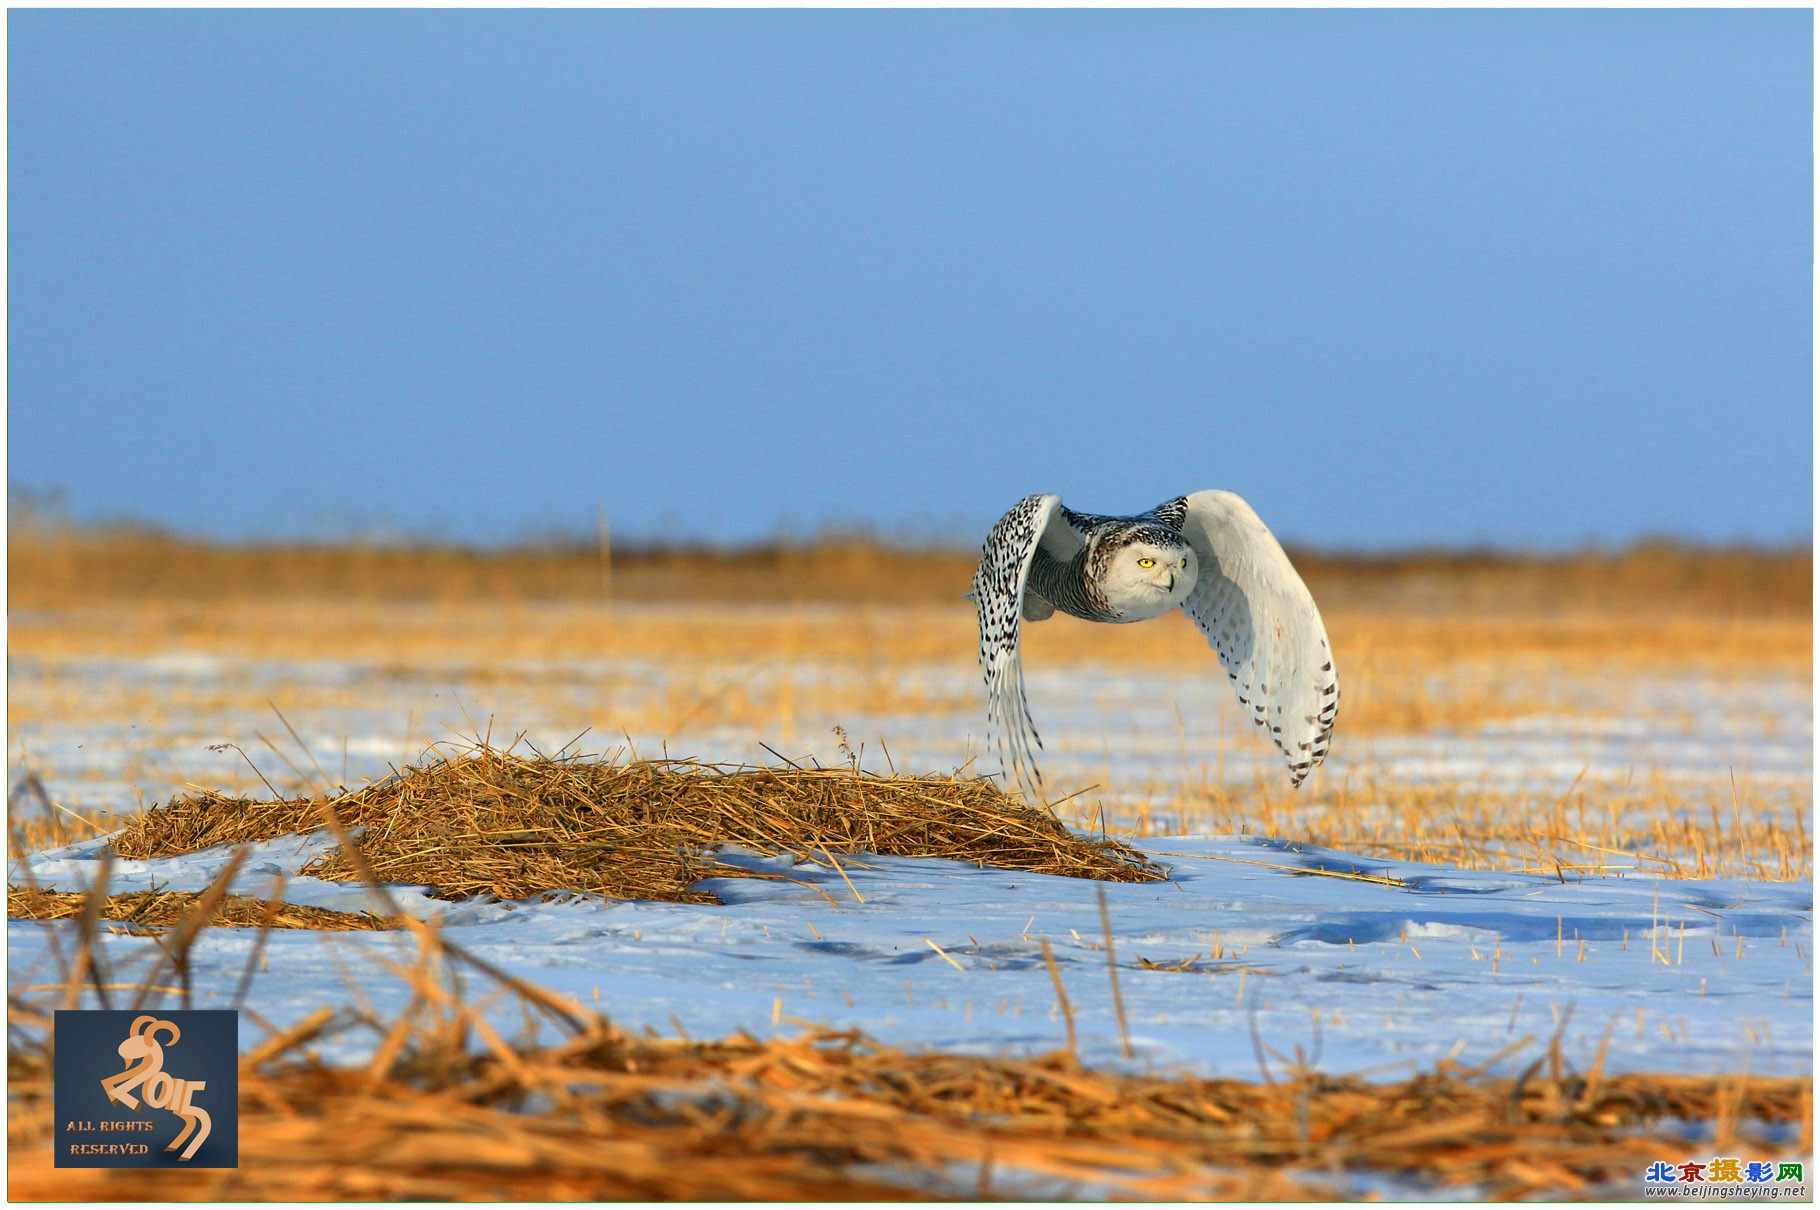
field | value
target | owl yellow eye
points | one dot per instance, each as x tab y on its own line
1184	562
1146	562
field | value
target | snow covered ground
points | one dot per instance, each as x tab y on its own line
1381	977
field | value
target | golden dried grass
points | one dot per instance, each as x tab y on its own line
1425	643
154	910
36	822
51	565
476	637
1411	676
1594	829
835	1116
481	821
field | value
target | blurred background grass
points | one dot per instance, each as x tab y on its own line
52	565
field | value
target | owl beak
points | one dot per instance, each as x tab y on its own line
1171	587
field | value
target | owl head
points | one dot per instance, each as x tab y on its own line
1150	573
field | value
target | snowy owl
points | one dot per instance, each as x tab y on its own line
1208	553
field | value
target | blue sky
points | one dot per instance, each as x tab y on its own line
1529	278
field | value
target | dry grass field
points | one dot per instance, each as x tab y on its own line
1470	686
781	641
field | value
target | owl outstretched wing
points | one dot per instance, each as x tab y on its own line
998	591
1257	613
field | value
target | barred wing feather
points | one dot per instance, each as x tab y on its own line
998	589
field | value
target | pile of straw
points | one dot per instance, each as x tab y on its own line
486	822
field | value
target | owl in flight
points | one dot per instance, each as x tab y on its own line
1208	553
